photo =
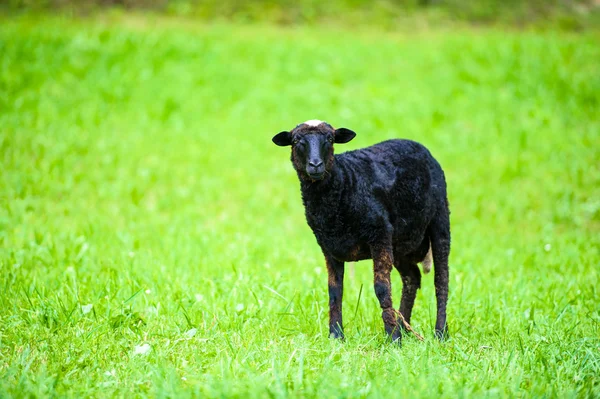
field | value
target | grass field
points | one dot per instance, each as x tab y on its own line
153	242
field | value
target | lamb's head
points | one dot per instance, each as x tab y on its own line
312	147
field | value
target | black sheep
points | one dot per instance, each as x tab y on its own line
386	202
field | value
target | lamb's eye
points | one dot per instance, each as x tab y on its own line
330	139
295	141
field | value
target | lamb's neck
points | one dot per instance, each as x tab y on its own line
323	194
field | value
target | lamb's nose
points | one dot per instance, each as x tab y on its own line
315	164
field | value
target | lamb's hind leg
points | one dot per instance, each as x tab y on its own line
411	282
440	247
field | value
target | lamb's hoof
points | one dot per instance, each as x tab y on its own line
337	335
442	334
396	337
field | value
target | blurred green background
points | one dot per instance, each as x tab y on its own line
388	14
152	237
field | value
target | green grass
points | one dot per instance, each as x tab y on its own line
143	203
564	15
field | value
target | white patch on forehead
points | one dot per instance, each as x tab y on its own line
313	122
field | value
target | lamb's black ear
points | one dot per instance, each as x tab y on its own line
343	135
282	139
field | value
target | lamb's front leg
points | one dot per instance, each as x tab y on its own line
383	261
335	271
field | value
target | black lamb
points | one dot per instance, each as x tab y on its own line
386	202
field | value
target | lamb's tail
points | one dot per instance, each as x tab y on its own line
427	261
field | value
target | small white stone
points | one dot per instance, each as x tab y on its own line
190	333
131	254
152	310
547	247
85	309
183	379
148	291
142	349
199	297
239	307
313	122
